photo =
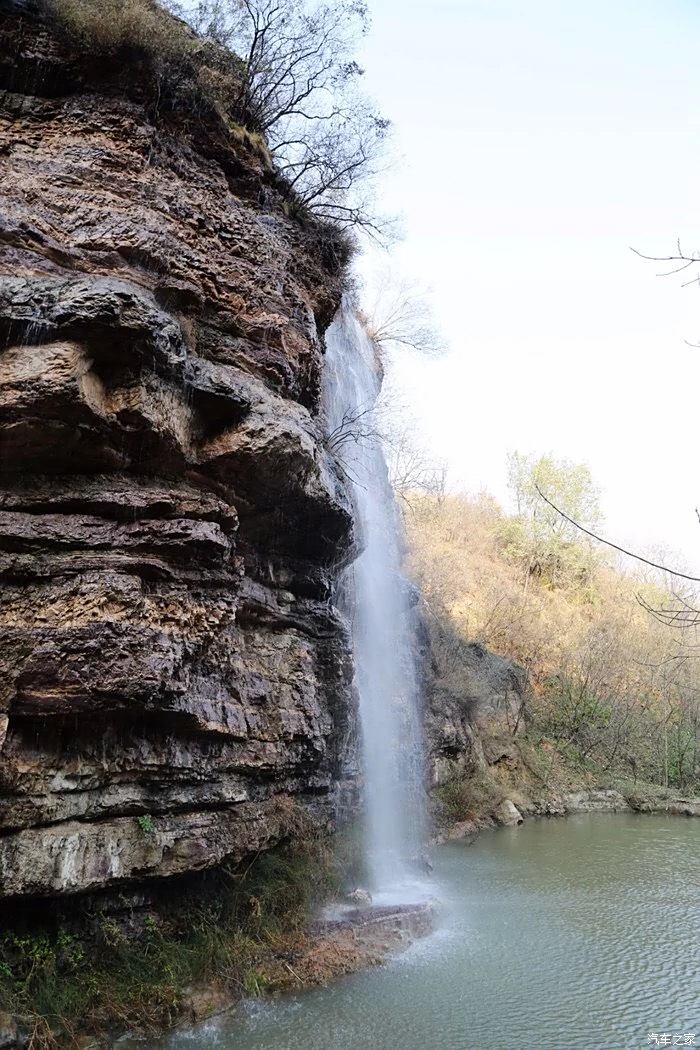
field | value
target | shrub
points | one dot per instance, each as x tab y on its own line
62	973
465	797
295	90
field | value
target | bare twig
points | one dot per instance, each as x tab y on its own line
615	546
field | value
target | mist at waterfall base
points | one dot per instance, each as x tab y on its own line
375	598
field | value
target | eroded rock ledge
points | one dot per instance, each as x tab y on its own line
171	668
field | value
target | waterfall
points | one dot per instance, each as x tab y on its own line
375	598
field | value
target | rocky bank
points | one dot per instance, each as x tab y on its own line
484	771
172	671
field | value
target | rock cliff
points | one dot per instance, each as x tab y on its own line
472	724
172	670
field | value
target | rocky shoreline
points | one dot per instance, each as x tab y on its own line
607	800
346	940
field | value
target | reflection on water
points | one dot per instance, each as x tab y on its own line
578	934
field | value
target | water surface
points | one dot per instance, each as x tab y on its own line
577	934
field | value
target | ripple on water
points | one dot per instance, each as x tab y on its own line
581	934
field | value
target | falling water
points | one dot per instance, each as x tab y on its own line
374	596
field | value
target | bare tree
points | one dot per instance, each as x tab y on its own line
411	470
357	425
680	610
298	86
680	261
399	313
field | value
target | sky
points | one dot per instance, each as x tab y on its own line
535	143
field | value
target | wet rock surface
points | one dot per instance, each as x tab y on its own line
406	920
171	666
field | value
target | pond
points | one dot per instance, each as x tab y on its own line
576	934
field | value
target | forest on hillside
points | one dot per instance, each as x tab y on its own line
610	644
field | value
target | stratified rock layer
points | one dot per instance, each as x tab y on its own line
171	668
475	727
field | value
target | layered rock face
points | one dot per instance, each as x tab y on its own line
475	727
172	671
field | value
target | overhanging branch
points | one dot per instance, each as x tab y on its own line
615	546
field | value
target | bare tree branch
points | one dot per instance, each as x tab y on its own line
298	87
399	313
615	546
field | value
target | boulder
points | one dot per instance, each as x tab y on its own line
507	813
361	897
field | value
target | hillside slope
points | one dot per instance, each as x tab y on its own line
588	688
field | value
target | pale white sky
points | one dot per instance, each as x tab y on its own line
538	140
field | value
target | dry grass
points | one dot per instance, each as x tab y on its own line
614	689
108	27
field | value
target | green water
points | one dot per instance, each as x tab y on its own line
578	934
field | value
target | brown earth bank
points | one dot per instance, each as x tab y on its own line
326	951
